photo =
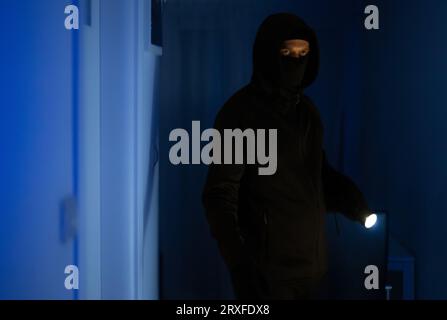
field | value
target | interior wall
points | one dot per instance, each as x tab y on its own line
89	142
404	154
78	145
129	218
37	150
148	77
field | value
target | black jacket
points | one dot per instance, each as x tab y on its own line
277	222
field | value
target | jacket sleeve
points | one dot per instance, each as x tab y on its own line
342	194
220	200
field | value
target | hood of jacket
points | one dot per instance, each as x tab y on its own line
272	33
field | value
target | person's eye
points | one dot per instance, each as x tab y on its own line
285	52
304	53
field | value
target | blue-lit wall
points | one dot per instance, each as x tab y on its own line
78	125
403	157
37	150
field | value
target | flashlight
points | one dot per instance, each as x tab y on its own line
370	221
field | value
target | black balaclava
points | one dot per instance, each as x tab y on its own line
281	78
292	72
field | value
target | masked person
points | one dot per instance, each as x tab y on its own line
271	229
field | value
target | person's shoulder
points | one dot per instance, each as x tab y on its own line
310	104
308	100
239	100
233	110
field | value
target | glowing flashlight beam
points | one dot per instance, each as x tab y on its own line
370	221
